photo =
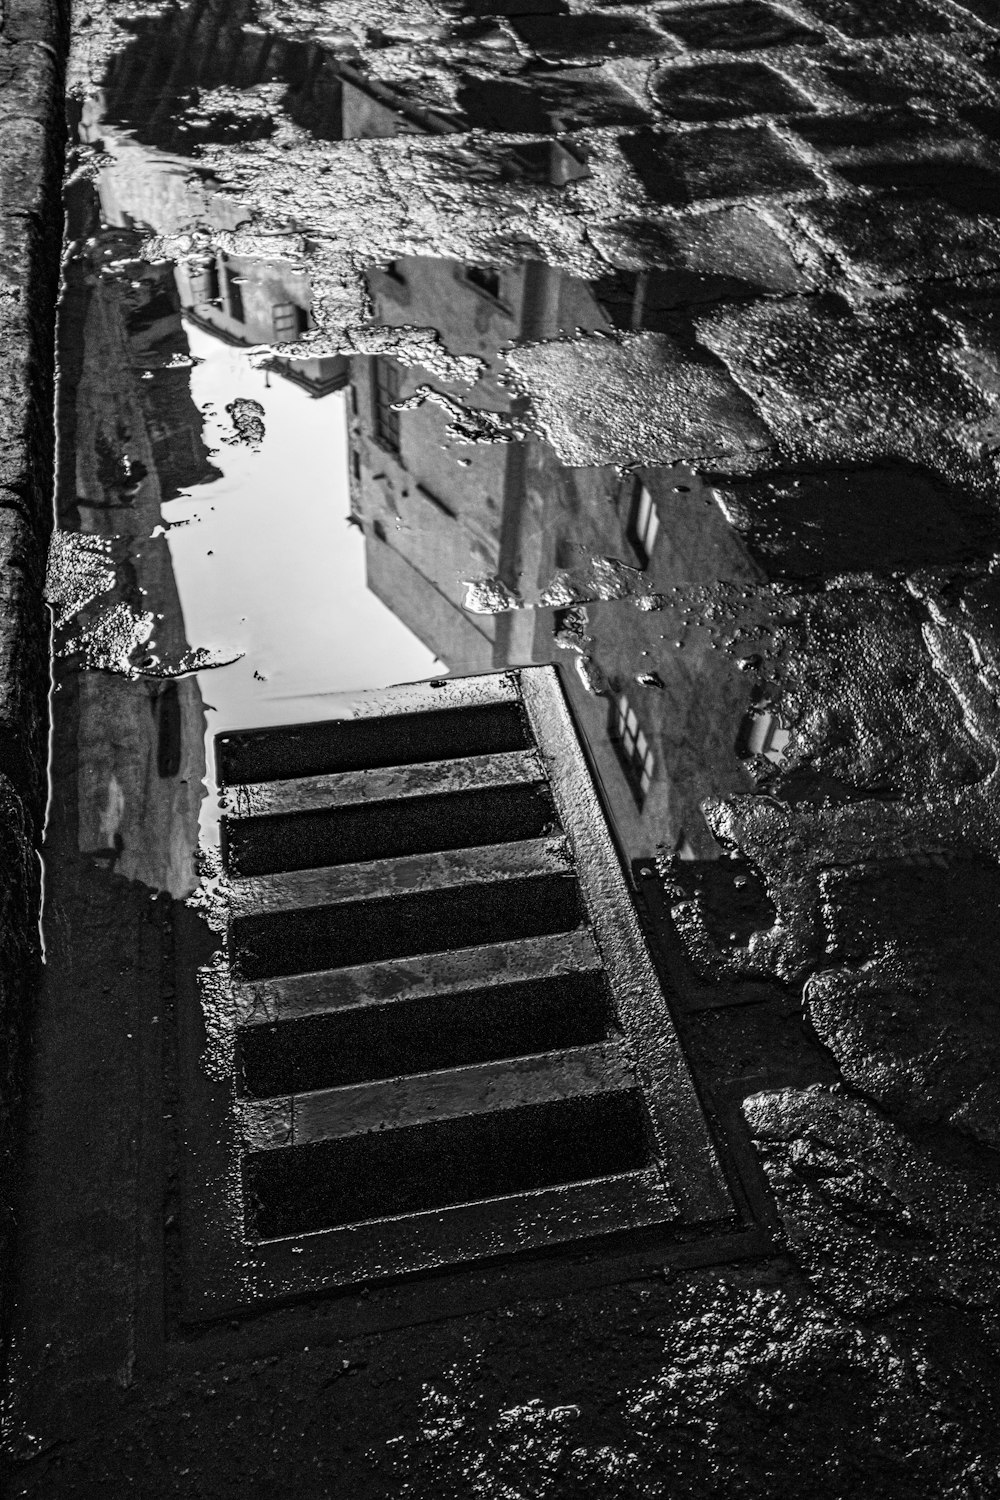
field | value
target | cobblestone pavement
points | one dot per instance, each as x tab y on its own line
741	259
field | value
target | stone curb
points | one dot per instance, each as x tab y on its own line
33	45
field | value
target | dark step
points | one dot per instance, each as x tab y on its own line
277	1123
422	1035
390	1172
295	996
381	740
385	830
370	880
368	931
426	778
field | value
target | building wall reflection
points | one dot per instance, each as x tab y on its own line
137	443
256	303
667	725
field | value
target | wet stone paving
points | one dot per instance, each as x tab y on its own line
446	344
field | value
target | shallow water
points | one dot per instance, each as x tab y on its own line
280	533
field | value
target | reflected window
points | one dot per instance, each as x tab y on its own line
234	295
288	320
386	390
167	709
644	524
205	283
485	279
762	734
634	749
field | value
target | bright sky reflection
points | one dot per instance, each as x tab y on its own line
268	564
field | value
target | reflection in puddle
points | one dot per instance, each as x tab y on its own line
417	494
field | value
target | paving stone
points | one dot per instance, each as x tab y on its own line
975	324
748	162
835	386
874	520
892	239
726	253
27	80
948	73
976	320
24	157
896	137
866	81
637	399
904	153
858	18
967	186
562	38
738	27
866	1219
930	81
555	100
33	21
726	90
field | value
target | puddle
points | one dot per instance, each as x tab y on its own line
274	510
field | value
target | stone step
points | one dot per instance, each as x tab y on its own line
396	1104
376	880
427	724
387	814
551	1125
475	773
486	1022
294	996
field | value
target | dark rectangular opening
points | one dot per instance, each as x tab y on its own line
385	1173
363	932
373	1042
234	293
384	740
387	830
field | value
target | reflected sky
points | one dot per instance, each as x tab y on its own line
266	563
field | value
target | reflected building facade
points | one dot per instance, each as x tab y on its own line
667	724
667	721
128	417
250	303
136	443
